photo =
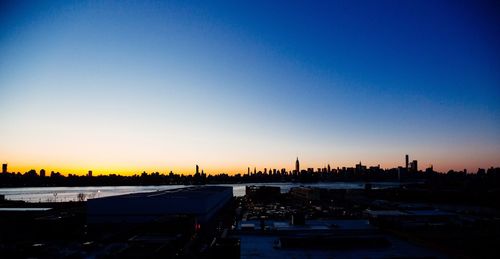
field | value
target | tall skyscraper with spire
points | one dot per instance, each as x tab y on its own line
297	165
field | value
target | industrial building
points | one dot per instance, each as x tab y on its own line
202	202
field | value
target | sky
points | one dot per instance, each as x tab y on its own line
132	86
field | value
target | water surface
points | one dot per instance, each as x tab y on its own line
63	194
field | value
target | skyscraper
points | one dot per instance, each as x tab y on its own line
407	161
297	165
414	166
197	170
4	168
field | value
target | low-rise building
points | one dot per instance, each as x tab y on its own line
202	202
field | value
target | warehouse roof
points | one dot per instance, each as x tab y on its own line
185	192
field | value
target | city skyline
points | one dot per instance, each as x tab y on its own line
126	87
296	168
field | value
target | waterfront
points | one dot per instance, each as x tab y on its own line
65	194
322	219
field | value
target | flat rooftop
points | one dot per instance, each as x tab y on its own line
23	209
184	192
311	225
202	201
262	244
400	213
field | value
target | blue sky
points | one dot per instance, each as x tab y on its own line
119	86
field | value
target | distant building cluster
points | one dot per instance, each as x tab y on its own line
359	172
411	167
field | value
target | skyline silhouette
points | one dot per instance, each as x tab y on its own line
407	165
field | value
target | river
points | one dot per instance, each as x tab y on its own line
64	194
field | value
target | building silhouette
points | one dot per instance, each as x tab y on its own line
4	168
414	166
297	165
407	161
360	167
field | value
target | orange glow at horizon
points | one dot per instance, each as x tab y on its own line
128	153
231	170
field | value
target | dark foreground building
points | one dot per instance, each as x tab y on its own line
174	223
180	223
202	202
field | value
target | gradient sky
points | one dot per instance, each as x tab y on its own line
144	85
